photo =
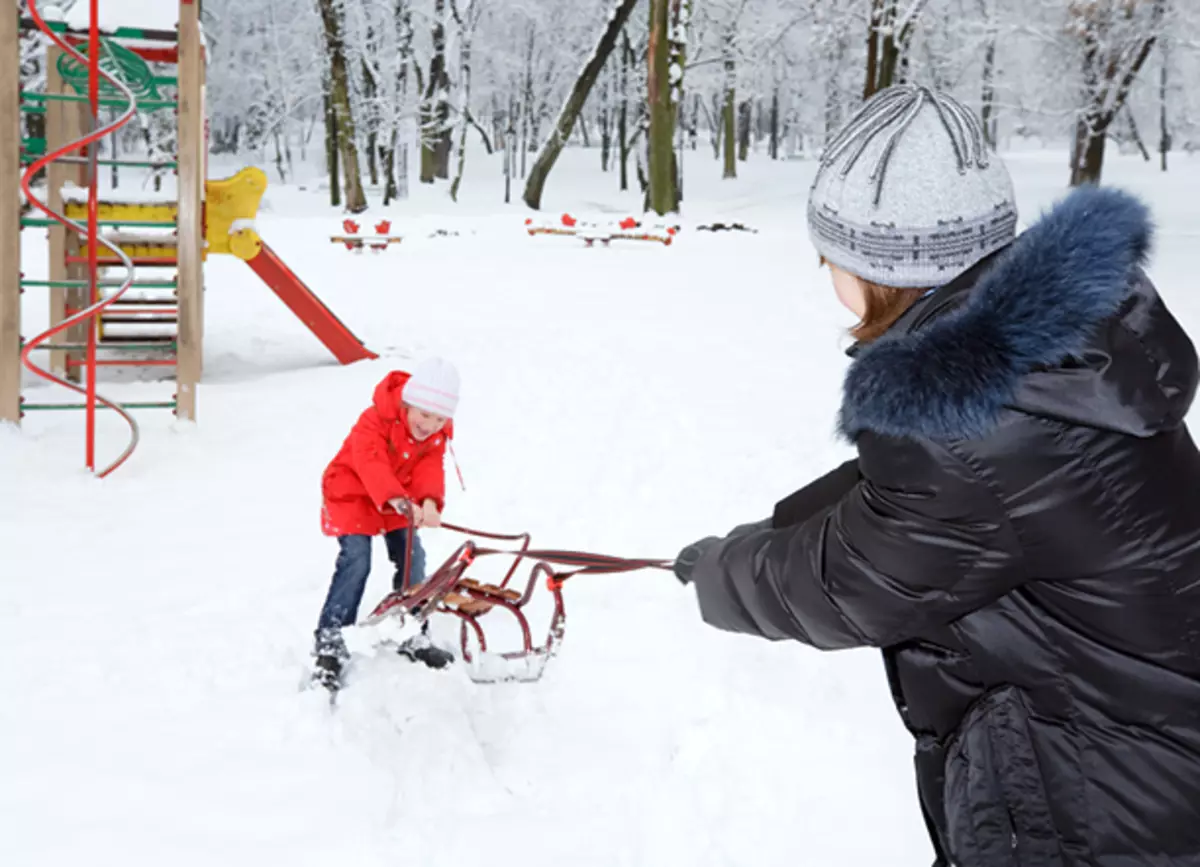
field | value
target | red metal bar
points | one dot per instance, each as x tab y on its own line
31	172
93	222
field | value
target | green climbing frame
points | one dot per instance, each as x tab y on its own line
117	61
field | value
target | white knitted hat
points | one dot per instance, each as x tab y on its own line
907	194
433	387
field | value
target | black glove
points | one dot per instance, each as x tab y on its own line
690	556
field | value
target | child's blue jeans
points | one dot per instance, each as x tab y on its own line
350	580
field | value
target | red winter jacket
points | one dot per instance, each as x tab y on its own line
379	461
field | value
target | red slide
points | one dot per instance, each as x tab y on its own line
308	307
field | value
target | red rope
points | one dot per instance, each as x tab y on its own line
584	562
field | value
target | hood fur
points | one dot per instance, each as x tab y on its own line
1041	302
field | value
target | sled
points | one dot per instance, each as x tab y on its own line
450	592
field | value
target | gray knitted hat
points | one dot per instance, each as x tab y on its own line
907	195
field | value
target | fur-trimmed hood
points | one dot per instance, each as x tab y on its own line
1063	324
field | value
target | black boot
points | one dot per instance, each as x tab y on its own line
327	671
420	648
330	655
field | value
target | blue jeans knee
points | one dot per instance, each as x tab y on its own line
397	547
349	581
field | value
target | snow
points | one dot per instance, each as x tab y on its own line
624	399
155	15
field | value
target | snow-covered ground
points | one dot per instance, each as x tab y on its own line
624	400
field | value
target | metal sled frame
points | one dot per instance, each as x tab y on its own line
448	591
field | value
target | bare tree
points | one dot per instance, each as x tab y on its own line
666	59
435	109
889	32
575	101
1116	38
466	29
340	115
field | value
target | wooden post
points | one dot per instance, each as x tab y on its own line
64	123
10	217
190	226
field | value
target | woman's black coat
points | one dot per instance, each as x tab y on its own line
1021	535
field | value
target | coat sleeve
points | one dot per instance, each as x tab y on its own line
369	454
919	540
429	478
817	495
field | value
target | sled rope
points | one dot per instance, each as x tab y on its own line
449	591
582	562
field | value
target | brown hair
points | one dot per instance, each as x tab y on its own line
885	304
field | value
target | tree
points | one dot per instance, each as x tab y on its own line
666	59
889	32
435	109
466	30
342	120
1116	37
575	101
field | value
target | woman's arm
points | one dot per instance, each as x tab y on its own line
923	542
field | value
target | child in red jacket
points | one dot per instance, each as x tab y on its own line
393	456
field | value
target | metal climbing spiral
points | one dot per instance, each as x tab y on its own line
89	231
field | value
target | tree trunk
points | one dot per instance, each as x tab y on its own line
339	97
331	154
465	32
987	113
773	147
745	119
886	48
664	191
729	112
526	101
574	104
605	122
1089	159
1136	134
435	112
278	156
1106	95
369	91
1164	132
396	164
623	113
510	147
694	122
390	193
874	19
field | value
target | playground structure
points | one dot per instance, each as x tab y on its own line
107	309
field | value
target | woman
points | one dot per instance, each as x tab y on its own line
1020	532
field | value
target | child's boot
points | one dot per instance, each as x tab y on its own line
331	655
420	648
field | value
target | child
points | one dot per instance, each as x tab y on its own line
391	457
